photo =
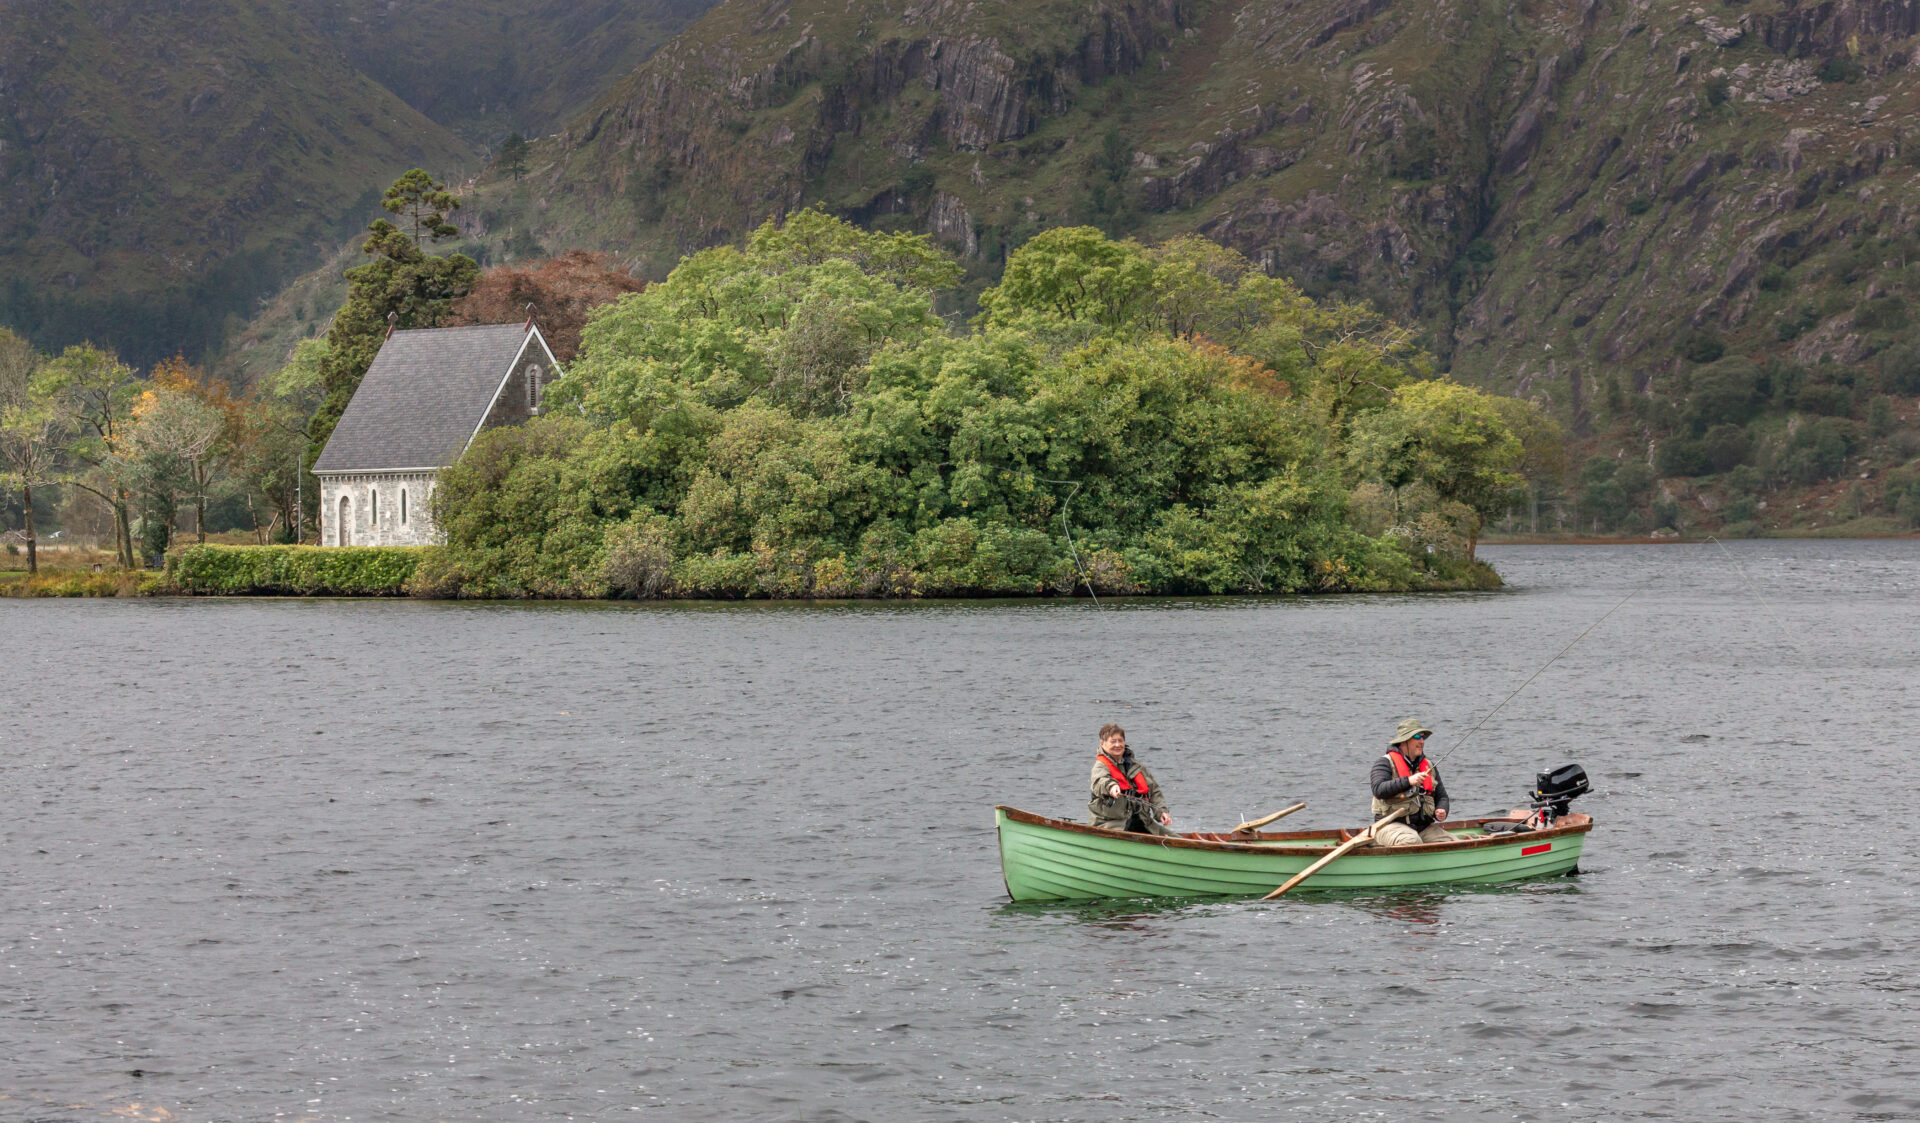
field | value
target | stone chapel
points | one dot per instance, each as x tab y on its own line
429	392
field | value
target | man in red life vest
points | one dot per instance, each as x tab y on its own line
1124	795
1404	777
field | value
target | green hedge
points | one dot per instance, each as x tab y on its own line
340	571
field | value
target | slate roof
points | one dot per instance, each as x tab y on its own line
422	398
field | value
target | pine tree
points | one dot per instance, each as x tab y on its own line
512	158
402	287
423	205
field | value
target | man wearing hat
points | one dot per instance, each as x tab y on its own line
1404	777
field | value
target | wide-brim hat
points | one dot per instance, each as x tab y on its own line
1408	730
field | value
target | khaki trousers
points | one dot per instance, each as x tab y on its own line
1400	834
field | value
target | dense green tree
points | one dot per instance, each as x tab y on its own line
791	418
1453	439
423	205
30	431
1073	283
512	157
272	438
177	447
793	317
1071	274
93	393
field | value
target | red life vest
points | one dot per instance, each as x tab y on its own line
1402	769
1137	784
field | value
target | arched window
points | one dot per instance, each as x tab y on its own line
533	386
343	530
403	506
373	510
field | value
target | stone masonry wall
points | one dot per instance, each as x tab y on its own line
381	509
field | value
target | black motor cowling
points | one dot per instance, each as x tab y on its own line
1555	788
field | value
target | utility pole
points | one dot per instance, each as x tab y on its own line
299	502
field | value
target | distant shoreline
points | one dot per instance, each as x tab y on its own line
1685	539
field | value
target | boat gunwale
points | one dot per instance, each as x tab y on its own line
1264	842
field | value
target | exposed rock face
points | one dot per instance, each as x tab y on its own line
750	108
1548	194
950	222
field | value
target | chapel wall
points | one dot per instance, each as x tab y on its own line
381	509
517	400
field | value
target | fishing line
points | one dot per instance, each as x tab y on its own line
1810	669
1764	604
1543	668
1064	505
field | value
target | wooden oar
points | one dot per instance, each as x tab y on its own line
1258	823
1360	839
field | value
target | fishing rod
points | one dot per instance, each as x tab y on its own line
1543	667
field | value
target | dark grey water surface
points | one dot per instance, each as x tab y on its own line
402	861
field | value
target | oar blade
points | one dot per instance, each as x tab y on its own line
1360	839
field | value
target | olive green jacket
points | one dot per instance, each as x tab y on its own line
1113	812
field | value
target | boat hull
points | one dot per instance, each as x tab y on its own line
1054	860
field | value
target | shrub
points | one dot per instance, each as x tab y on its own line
1724	447
1681	458
1702	346
1880	417
1885	313
1900	369
1727	392
445	574
1817	451
1745	479
1824	399
1903	495
1840	68
1666	513
720	575
351	571
959	557
1717	88
639	558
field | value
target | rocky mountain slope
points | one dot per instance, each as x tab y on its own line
484	68
163	162
1558	193
165	166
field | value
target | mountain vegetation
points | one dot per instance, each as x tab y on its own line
485	68
1584	204
1685	231
166	167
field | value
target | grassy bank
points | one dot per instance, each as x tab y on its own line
75	583
389	571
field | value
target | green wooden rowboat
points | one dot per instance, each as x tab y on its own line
1054	860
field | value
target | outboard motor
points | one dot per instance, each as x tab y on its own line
1555	788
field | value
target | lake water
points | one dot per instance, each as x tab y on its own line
400	861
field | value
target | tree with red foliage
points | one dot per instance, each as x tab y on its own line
562	291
